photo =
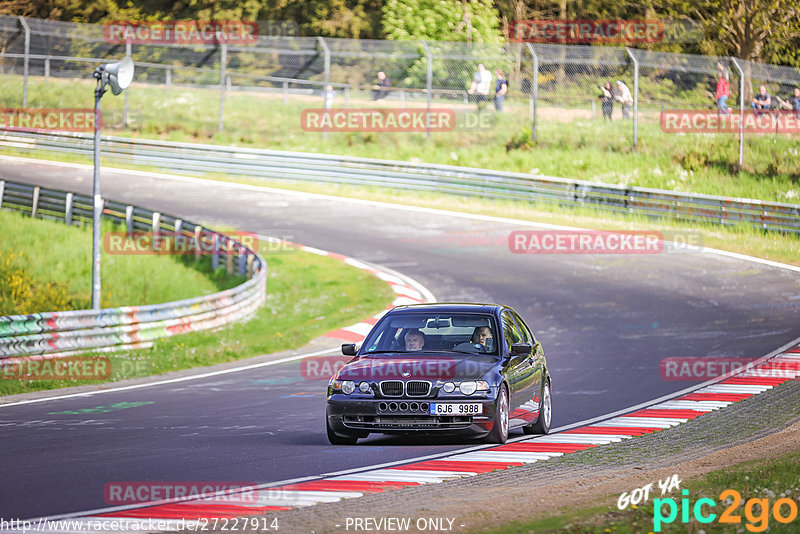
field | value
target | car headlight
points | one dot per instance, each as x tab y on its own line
468	387
363	387
348	386
449	387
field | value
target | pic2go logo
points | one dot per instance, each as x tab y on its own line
756	511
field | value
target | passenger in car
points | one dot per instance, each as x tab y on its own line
415	340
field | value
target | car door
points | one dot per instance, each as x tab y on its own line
519	371
536	365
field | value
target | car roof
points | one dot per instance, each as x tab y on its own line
448	307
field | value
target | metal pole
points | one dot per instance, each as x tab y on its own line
741	110
223	60
534	89
125	104
635	98
25	61
47	69
168	80
428	87
98	201
327	63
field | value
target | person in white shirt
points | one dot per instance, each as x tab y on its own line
481	83
624	96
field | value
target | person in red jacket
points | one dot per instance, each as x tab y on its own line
723	92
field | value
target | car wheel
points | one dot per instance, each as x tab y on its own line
499	433
542	425
340	439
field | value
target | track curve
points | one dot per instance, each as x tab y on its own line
606	322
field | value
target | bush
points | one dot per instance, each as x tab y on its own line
20	294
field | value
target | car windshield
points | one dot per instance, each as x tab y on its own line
469	333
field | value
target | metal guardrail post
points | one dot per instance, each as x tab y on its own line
2	189
178	227
25	60
741	110
68	210
428	86
46	69
168	79
285	93
129	220
35	204
156	227
534	90
635	97
223	60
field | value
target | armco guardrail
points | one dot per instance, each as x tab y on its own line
304	167
68	332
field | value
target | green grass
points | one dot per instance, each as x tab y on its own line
568	145
50	252
770	479
307	296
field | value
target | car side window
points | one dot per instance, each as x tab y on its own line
510	330
523	329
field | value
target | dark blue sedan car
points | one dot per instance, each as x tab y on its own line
468	369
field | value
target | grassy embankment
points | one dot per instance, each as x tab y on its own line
46	266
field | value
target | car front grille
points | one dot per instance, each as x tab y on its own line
417	388
392	388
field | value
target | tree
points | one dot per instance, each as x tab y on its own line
442	20
741	28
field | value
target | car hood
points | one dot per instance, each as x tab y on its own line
422	366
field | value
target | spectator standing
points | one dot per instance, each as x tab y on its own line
329	94
762	102
607	100
624	96
723	92
500	90
481	83
379	90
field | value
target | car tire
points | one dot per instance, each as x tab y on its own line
499	433
542	425
340	439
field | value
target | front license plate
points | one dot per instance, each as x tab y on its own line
472	408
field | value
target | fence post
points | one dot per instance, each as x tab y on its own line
635	98
428	87
285	93
125	104
168	79
46	69
35	204
534	90
2	188
129	221
223	60
68	210
327	65
741	110
26	59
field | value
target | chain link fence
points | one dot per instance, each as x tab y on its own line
546	82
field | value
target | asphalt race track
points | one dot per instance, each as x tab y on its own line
605	321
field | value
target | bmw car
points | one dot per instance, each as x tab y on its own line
472	370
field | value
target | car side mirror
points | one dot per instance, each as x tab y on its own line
349	349
521	348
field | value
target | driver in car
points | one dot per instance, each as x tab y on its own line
415	340
481	334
